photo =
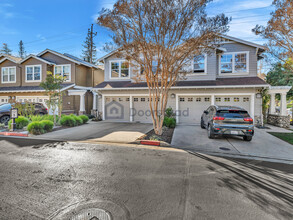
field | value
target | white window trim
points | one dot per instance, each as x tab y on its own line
33	73
233	64
69	80
199	73
2	74
110	69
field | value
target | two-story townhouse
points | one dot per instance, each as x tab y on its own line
21	78
227	76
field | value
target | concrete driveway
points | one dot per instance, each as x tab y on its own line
192	137
100	132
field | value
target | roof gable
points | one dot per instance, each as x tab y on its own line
37	58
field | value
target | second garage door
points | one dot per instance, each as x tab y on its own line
191	108
141	112
239	101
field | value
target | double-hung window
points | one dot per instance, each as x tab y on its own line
199	64
234	63
33	73
119	69
9	74
64	71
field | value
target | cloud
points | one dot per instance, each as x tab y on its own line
41	37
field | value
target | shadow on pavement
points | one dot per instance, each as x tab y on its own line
268	185
25	142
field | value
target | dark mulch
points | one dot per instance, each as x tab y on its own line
166	135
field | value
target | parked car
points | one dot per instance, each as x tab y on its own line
40	109
227	120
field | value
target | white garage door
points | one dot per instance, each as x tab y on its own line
191	108
117	109
141	109
239	101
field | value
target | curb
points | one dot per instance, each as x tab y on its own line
152	143
6	133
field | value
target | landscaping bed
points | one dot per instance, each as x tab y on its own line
165	137
288	137
41	124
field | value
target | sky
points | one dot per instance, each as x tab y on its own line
62	25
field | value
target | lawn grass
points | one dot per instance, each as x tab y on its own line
288	137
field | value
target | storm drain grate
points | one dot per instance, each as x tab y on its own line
92	214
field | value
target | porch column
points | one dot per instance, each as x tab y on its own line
82	104
94	100
273	104
283	104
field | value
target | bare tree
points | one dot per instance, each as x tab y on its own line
158	37
279	31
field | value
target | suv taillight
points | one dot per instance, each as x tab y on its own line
218	118
248	119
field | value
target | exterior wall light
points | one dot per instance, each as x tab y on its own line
173	95
258	95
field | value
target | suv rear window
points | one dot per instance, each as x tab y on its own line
233	114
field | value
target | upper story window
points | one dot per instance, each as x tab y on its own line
33	73
9	74
64	71
119	69
199	64
235	63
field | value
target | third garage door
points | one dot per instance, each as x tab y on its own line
191	108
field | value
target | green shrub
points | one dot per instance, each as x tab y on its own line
20	122
84	118
36	128
169	112
68	121
169	122
78	120
47	125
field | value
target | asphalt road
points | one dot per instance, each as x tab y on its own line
55	181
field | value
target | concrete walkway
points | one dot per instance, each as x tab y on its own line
100	132
264	145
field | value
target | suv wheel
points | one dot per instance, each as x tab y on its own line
202	124
247	138
211	134
4	119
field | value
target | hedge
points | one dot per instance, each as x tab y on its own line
68	121
20	122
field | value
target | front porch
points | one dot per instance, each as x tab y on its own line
279	117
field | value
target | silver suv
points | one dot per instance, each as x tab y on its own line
227	120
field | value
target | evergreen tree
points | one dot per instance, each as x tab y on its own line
89	51
5	49
21	51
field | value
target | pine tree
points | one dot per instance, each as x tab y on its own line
89	52
5	49
21	51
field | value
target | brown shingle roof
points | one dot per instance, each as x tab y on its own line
238	81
